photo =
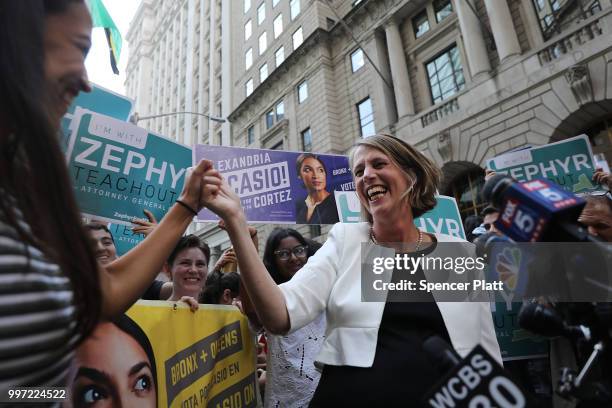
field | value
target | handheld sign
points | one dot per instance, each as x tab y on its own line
119	169
99	100
568	163
276	186
444	218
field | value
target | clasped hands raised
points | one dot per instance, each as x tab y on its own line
206	187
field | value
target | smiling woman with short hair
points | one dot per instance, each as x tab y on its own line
367	343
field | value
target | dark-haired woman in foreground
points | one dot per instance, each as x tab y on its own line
52	291
291	377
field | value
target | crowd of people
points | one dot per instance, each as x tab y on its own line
62	285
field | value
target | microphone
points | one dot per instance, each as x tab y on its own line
475	381
536	210
485	242
444	357
545	321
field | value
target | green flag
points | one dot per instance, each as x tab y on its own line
101	18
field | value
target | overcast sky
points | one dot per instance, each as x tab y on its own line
98	60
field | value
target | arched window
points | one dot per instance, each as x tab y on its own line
464	182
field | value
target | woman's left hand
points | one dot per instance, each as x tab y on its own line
201	183
220	198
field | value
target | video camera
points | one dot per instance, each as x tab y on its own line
574	279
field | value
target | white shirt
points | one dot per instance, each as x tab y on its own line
331	282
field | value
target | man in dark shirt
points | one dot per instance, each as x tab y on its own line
106	252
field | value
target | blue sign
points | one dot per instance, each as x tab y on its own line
278	186
119	169
444	218
568	163
124	238
99	100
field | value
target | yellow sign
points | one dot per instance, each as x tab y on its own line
159	352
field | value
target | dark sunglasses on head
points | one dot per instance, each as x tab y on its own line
299	251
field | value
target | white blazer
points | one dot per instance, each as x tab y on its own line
331	281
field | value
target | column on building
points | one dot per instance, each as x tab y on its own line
399	70
382	93
473	40
503	29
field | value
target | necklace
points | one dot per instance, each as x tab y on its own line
418	244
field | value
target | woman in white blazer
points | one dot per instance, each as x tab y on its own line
367	343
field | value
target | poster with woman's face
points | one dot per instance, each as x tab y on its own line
278	186
115	366
158	355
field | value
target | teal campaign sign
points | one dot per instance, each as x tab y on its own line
444	218
568	163
99	100
119	169
124	238
516	343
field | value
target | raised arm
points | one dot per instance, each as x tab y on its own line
125	280
265	295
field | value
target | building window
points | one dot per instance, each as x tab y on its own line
357	59
420	24
248	58
297	37
279	56
278	25
263	43
269	119
445	75
302	92
278	146
442	9
275	3
247	5
220	138
250	135
249	87
556	15
366	117
263	72
294	6
306	140
280	111
466	191
261	13
248	30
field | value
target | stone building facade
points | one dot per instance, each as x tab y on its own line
176	64
463	81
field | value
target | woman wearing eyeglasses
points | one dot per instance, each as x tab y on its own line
291	377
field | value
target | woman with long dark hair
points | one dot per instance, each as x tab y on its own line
291	376
319	205
52	291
